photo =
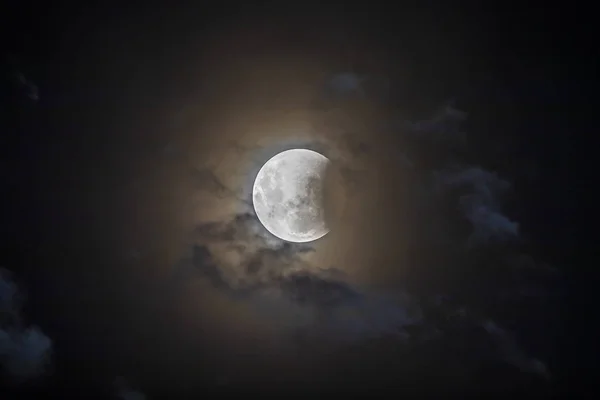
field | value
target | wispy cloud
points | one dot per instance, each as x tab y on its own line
29	88
345	83
490	341
24	85
276	279
443	126
24	351
511	353
481	203
125	392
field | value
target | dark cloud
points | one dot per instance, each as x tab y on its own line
125	392
354	145
257	269
511	353
9	295
481	203
353	179
24	351
331	307
480	193
281	284
344	84
239	256
449	321
23	85
29	88
206	180
482	189
309	289
242	227
445	125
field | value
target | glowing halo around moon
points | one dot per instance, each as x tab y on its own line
288	195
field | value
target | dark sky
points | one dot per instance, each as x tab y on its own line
130	138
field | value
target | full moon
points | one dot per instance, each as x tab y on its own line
288	195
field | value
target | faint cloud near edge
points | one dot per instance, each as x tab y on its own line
481	203
125	392
24	352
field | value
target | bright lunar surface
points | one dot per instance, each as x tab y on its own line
288	195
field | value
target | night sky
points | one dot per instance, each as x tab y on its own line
132	263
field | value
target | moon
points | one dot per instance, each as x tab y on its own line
288	195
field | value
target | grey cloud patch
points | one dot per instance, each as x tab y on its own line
532	281
238	255
481	203
134	255
23	84
280	284
352	178
306	288
241	227
511	353
256	258
348	83
443	126
202	177
243	230
344	84
330	306
9	295
440	120
24	351
30	89
125	392
490	339
203	263
206	180
405	160
171	150
352	144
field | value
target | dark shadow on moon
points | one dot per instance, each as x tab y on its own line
259	155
